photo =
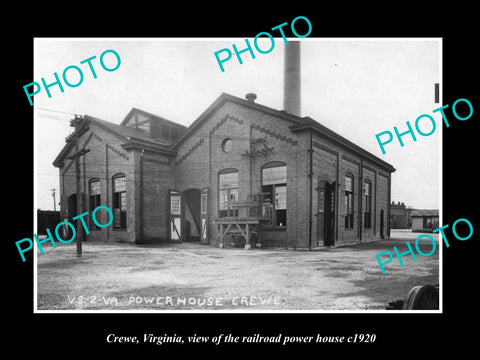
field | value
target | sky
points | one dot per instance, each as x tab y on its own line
356	87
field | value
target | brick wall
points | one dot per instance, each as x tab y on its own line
198	162
200	159
349	166
369	234
158	178
383	202
325	157
325	161
105	159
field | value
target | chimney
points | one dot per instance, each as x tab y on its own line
291	79
251	97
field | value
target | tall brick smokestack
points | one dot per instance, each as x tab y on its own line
292	97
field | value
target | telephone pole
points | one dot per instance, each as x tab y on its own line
54	202
76	156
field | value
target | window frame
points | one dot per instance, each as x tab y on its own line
367	215
224	145
94	200
230	190
272	208
349	202
118	201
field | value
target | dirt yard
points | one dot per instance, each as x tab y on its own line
190	276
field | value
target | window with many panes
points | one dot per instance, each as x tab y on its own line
367	193
227	191
274	187
349	201
93	200
119	202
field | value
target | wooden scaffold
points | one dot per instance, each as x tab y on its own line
247	224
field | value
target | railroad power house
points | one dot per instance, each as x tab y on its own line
166	182
241	170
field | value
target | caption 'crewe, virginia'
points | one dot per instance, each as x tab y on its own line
167	182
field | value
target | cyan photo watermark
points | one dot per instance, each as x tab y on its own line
420	252
389	139
249	48
68	79
65	228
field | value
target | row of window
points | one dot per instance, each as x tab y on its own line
274	188
119	201
367	200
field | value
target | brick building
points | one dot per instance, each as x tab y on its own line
425	220
166	182
400	216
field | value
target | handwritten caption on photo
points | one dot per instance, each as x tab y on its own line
175	301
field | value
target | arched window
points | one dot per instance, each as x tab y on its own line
274	187
227	191
94	200
367	193
119	201
349	186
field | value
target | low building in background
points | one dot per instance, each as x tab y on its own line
425	220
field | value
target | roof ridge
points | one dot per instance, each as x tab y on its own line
127	133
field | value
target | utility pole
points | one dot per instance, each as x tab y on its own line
54	202
76	156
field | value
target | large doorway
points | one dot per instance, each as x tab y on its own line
192	214
204	216
326	214
382	224
176	228
189	215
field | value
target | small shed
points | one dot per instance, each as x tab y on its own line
424	220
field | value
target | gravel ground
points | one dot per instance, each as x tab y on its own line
190	276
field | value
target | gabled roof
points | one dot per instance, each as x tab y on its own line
424	212
149	116
298	124
130	137
222	99
137	138
124	132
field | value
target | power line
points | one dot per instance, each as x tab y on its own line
39	108
52	117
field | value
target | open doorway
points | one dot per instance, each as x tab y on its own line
192	214
326	214
382	224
